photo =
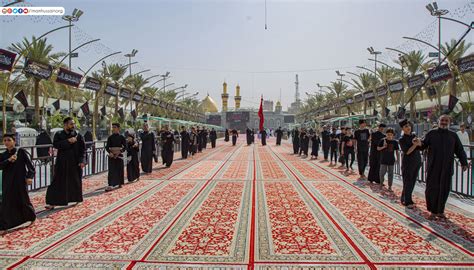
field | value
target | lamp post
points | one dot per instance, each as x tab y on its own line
76	14
375	53
130	55
164	76
434	11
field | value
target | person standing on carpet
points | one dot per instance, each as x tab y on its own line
115	146
193	141
226	135
304	140
167	143
411	162
326	142
263	135
133	166
334	143
204	138
248	133
442	145
362	136
148	149
213	137
340	136
66	185
279	135
389	148
185	142
316	142
296	140
375	138
235	134
17	173
348	148
200	134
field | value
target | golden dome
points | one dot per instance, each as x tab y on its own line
208	105
278	104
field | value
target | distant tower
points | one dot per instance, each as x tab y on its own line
225	98
278	107
237	97
297	92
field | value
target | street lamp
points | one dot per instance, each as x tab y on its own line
130	55
340	74
434	11
164	76
375	53
76	14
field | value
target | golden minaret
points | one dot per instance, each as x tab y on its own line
237	97
225	98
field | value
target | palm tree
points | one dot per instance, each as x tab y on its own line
457	53
338	88
365	82
39	51
386	74
116	72
104	77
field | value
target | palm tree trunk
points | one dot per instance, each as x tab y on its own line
4	104
37	105
413	107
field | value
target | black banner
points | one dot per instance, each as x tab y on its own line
133	113
148	100
137	97
56	105
125	93
120	112
401	113
214	120
369	95
465	64
92	84
38	70
7	59
110	89
395	86
431	91
237	116
442	73
68	77
20	96
452	102
381	91
85	109
416	81
103	111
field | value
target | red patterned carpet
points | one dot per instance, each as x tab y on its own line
241	207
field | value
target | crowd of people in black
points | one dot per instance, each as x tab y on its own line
380	149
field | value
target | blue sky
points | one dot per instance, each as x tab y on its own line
203	43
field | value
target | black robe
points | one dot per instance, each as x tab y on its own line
249	136
193	142
133	166
148	151
442	145
263	134
374	158
411	164
304	142
296	141
204	139
184	144
326	142
226	135
167	149
199	137
116	168
213	138
235	134
16	208
66	185
316	141
279	135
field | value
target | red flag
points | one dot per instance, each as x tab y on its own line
260	115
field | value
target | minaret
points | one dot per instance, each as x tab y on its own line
225	98
237	97
297	92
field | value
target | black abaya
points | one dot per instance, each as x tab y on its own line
326	143
184	144
374	158
249	136
411	164
116	168
148	151
263	134
316	141
296	141
167	140
133	167
213	138
279	134
15	208
226	135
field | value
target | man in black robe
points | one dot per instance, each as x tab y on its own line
326	142
66	185
362	136
374	161
148	149
17	173
252	135
167	142
279	135
411	162
133	166
442	145
296	140
235	134
304	142
115	146
193	141
205	140
213	137
199	145
226	135
184	143
249	136
263	135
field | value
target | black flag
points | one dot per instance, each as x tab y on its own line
103	111
85	109
401	113
387	111
120	112
22	98
431	91
56	105
452	102
134	114
375	112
